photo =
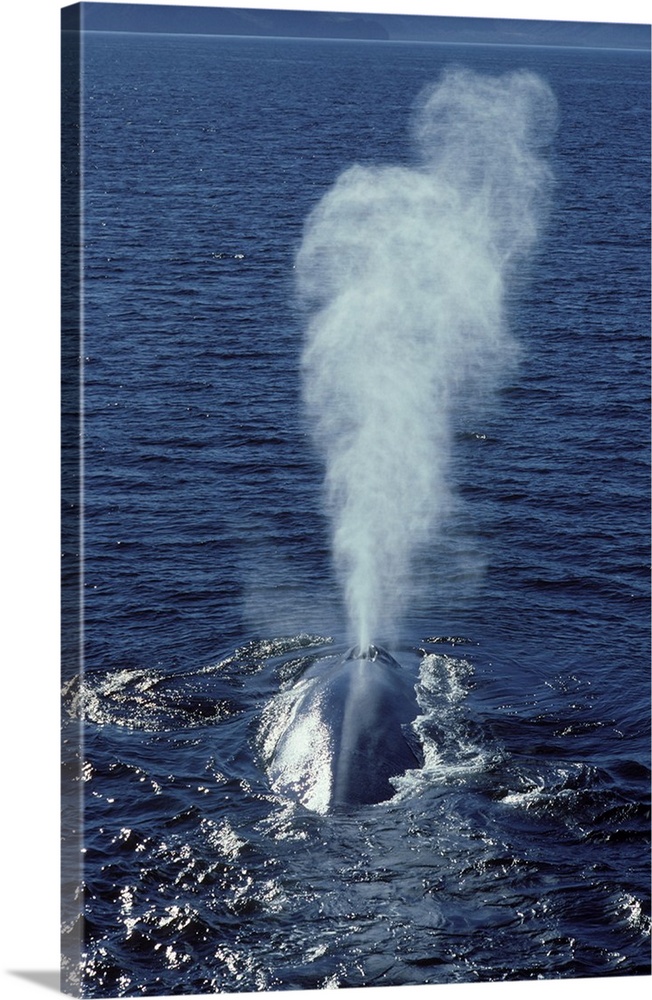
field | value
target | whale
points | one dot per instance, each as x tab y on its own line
339	735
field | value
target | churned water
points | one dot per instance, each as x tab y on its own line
521	849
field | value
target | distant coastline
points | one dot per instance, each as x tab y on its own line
378	27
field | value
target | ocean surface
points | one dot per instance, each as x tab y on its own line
522	851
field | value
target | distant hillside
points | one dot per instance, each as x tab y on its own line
225	21
380	27
518	32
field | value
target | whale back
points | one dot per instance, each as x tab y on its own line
343	732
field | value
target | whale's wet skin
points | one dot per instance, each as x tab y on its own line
343	731
209	869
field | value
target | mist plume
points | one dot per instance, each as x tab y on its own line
404	271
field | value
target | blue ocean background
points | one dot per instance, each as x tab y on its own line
207	576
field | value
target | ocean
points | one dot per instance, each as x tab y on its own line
521	850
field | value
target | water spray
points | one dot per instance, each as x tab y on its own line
404	270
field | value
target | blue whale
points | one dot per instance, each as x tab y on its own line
339	735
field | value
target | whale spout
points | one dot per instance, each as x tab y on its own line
342	732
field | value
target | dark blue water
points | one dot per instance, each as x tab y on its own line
522	850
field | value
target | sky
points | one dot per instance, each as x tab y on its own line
29	842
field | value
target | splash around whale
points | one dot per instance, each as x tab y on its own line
339	735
